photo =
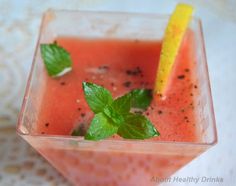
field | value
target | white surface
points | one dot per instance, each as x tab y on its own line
19	25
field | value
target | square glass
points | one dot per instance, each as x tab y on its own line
114	162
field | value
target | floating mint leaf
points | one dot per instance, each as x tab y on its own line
117	108
122	104
56	59
137	126
101	127
116	117
141	98
96	96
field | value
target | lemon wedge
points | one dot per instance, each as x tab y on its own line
173	37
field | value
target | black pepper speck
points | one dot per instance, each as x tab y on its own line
63	83
160	112
181	77
186	70
127	84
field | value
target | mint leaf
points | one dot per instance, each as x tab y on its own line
137	126
141	98
96	96
113	115
101	127
117	108
122	104
56	59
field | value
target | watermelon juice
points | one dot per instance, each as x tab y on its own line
57	106
118	65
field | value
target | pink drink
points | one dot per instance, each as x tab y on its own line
119	65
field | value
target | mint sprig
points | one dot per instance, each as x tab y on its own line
56	59
114	116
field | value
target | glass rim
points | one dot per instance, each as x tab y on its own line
81	138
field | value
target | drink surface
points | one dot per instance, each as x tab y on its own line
120	66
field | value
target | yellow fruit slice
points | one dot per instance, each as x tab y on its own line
174	34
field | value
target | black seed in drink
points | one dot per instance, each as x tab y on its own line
181	77
160	112
63	83
186	70
134	72
127	84
128	72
